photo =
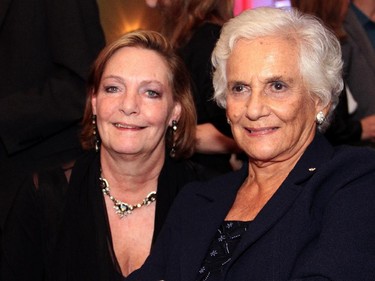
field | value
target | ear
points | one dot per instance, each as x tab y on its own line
93	103
319	106
326	109
176	113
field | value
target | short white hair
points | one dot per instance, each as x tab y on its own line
320	59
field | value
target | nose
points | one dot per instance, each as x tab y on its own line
129	104
256	105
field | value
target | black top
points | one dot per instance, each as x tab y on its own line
221	249
33	220
343	128
84	247
197	57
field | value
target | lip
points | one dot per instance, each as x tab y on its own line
261	131
127	126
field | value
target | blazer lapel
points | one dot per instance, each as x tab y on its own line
275	209
315	156
4	5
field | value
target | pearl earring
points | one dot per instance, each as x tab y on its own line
320	118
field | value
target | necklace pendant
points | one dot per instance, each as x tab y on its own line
122	209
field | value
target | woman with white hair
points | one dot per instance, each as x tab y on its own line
299	209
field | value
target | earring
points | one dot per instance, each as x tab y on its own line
228	121
95	133
172	153
320	118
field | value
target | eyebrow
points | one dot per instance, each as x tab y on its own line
279	78
118	78
122	80
152	81
236	82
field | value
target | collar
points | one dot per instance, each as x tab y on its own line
362	18
316	154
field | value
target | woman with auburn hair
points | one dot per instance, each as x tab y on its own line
138	130
139	123
193	27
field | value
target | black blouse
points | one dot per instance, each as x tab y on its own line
221	250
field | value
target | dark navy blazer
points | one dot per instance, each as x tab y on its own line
319	225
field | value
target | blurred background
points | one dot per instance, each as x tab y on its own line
120	16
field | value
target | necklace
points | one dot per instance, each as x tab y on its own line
122	208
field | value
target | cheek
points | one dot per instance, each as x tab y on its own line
297	115
233	111
103	111
158	116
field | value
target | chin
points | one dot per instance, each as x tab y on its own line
261	153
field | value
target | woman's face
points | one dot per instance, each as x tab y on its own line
151	3
271	111
134	103
154	3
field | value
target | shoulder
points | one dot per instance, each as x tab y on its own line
86	162
350	158
346	176
211	29
357	38
185	171
342	164
207	34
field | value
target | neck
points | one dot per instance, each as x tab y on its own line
367	7
134	175
270	175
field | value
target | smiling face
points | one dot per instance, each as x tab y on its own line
271	112
151	3
155	3
134	104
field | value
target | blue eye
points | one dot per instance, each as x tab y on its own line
152	94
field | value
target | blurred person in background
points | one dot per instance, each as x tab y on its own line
46	49
45	55
364	10
193	27
354	119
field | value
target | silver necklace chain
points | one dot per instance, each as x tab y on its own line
122	208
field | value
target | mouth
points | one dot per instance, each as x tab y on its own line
127	126
261	131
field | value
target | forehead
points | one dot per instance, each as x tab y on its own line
265	56
140	61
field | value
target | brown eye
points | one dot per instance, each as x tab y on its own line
238	88
278	86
